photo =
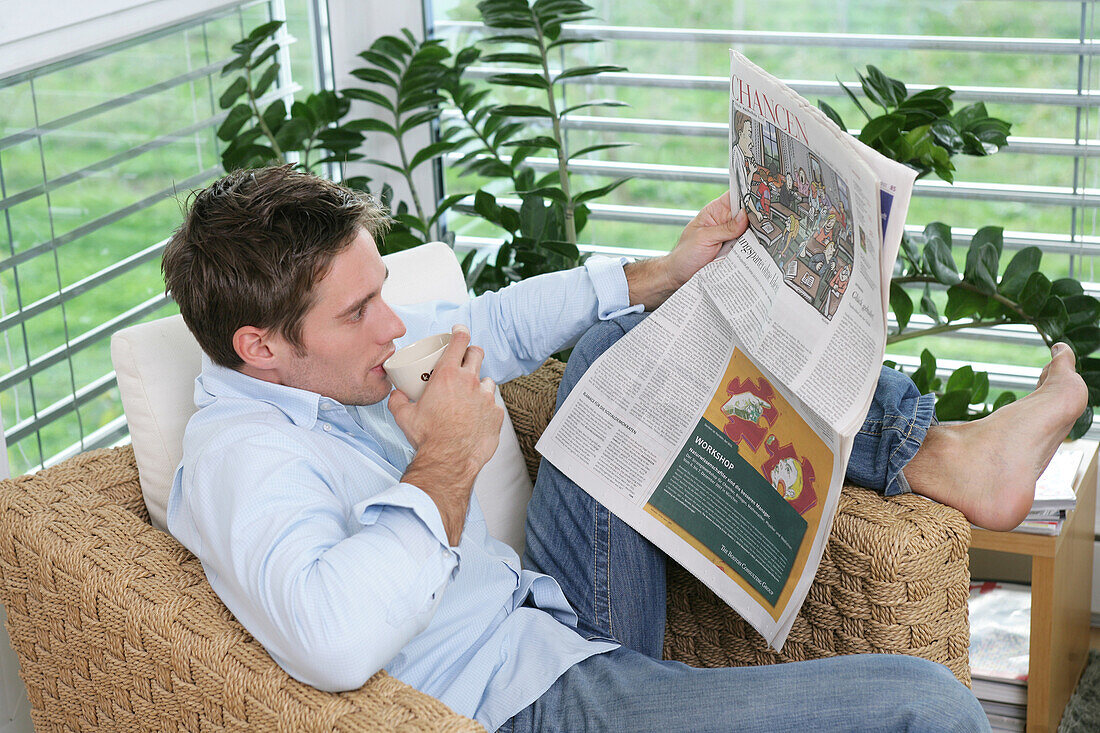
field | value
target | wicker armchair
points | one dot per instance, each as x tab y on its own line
116	627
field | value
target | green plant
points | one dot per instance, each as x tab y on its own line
542	232
405	77
921	131
273	134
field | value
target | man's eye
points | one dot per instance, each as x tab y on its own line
358	315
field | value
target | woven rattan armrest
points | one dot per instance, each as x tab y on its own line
894	577
116	627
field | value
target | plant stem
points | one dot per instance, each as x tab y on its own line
263	125
1006	302
307	150
400	138
944	328
563	170
485	141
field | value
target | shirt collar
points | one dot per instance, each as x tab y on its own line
215	381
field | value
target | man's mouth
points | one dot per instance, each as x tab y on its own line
379	367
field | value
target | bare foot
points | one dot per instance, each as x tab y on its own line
987	468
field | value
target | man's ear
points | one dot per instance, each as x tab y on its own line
254	347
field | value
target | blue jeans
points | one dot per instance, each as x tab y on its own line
615	580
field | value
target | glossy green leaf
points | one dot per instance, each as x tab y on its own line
1085	340
562	249
593	103
233	92
1081	310
928	305
979	388
1019	269
981	266
534	81
265	81
962	302
548	192
234	121
1053	318
520	110
445	205
596	148
901	304
1004	398
876	128
266	54
1082	424
485	204
369	124
292	134
1034	293
274	115
961	378
374	76
369	95
512	38
1066	286
832	114
541	141
578	71
600	192
853	97
513	58
428	152
509	219
953	405
937	253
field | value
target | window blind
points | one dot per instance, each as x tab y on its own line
97	152
1033	64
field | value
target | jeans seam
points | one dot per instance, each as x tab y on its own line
607	586
595	564
905	436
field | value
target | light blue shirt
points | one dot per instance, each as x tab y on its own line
294	504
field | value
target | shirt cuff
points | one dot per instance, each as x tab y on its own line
409	497
609	282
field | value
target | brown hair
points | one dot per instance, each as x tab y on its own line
252	246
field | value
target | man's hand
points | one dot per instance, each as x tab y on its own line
650	282
454	426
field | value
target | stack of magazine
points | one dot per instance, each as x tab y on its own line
1054	493
1000	623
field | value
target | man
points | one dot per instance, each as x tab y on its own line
821	246
744	164
339	527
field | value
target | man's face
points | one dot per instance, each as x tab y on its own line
348	331
744	140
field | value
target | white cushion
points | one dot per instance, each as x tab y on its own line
157	363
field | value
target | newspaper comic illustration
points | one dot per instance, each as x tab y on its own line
720	427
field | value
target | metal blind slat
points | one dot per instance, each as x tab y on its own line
93	336
1040	46
810	89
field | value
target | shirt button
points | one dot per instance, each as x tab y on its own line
327	428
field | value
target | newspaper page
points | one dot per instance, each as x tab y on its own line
720	426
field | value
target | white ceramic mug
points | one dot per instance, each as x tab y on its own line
410	368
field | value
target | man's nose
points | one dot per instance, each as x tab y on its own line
395	327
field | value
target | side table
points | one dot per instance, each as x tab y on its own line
1061	596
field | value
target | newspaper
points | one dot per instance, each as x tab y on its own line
720	426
